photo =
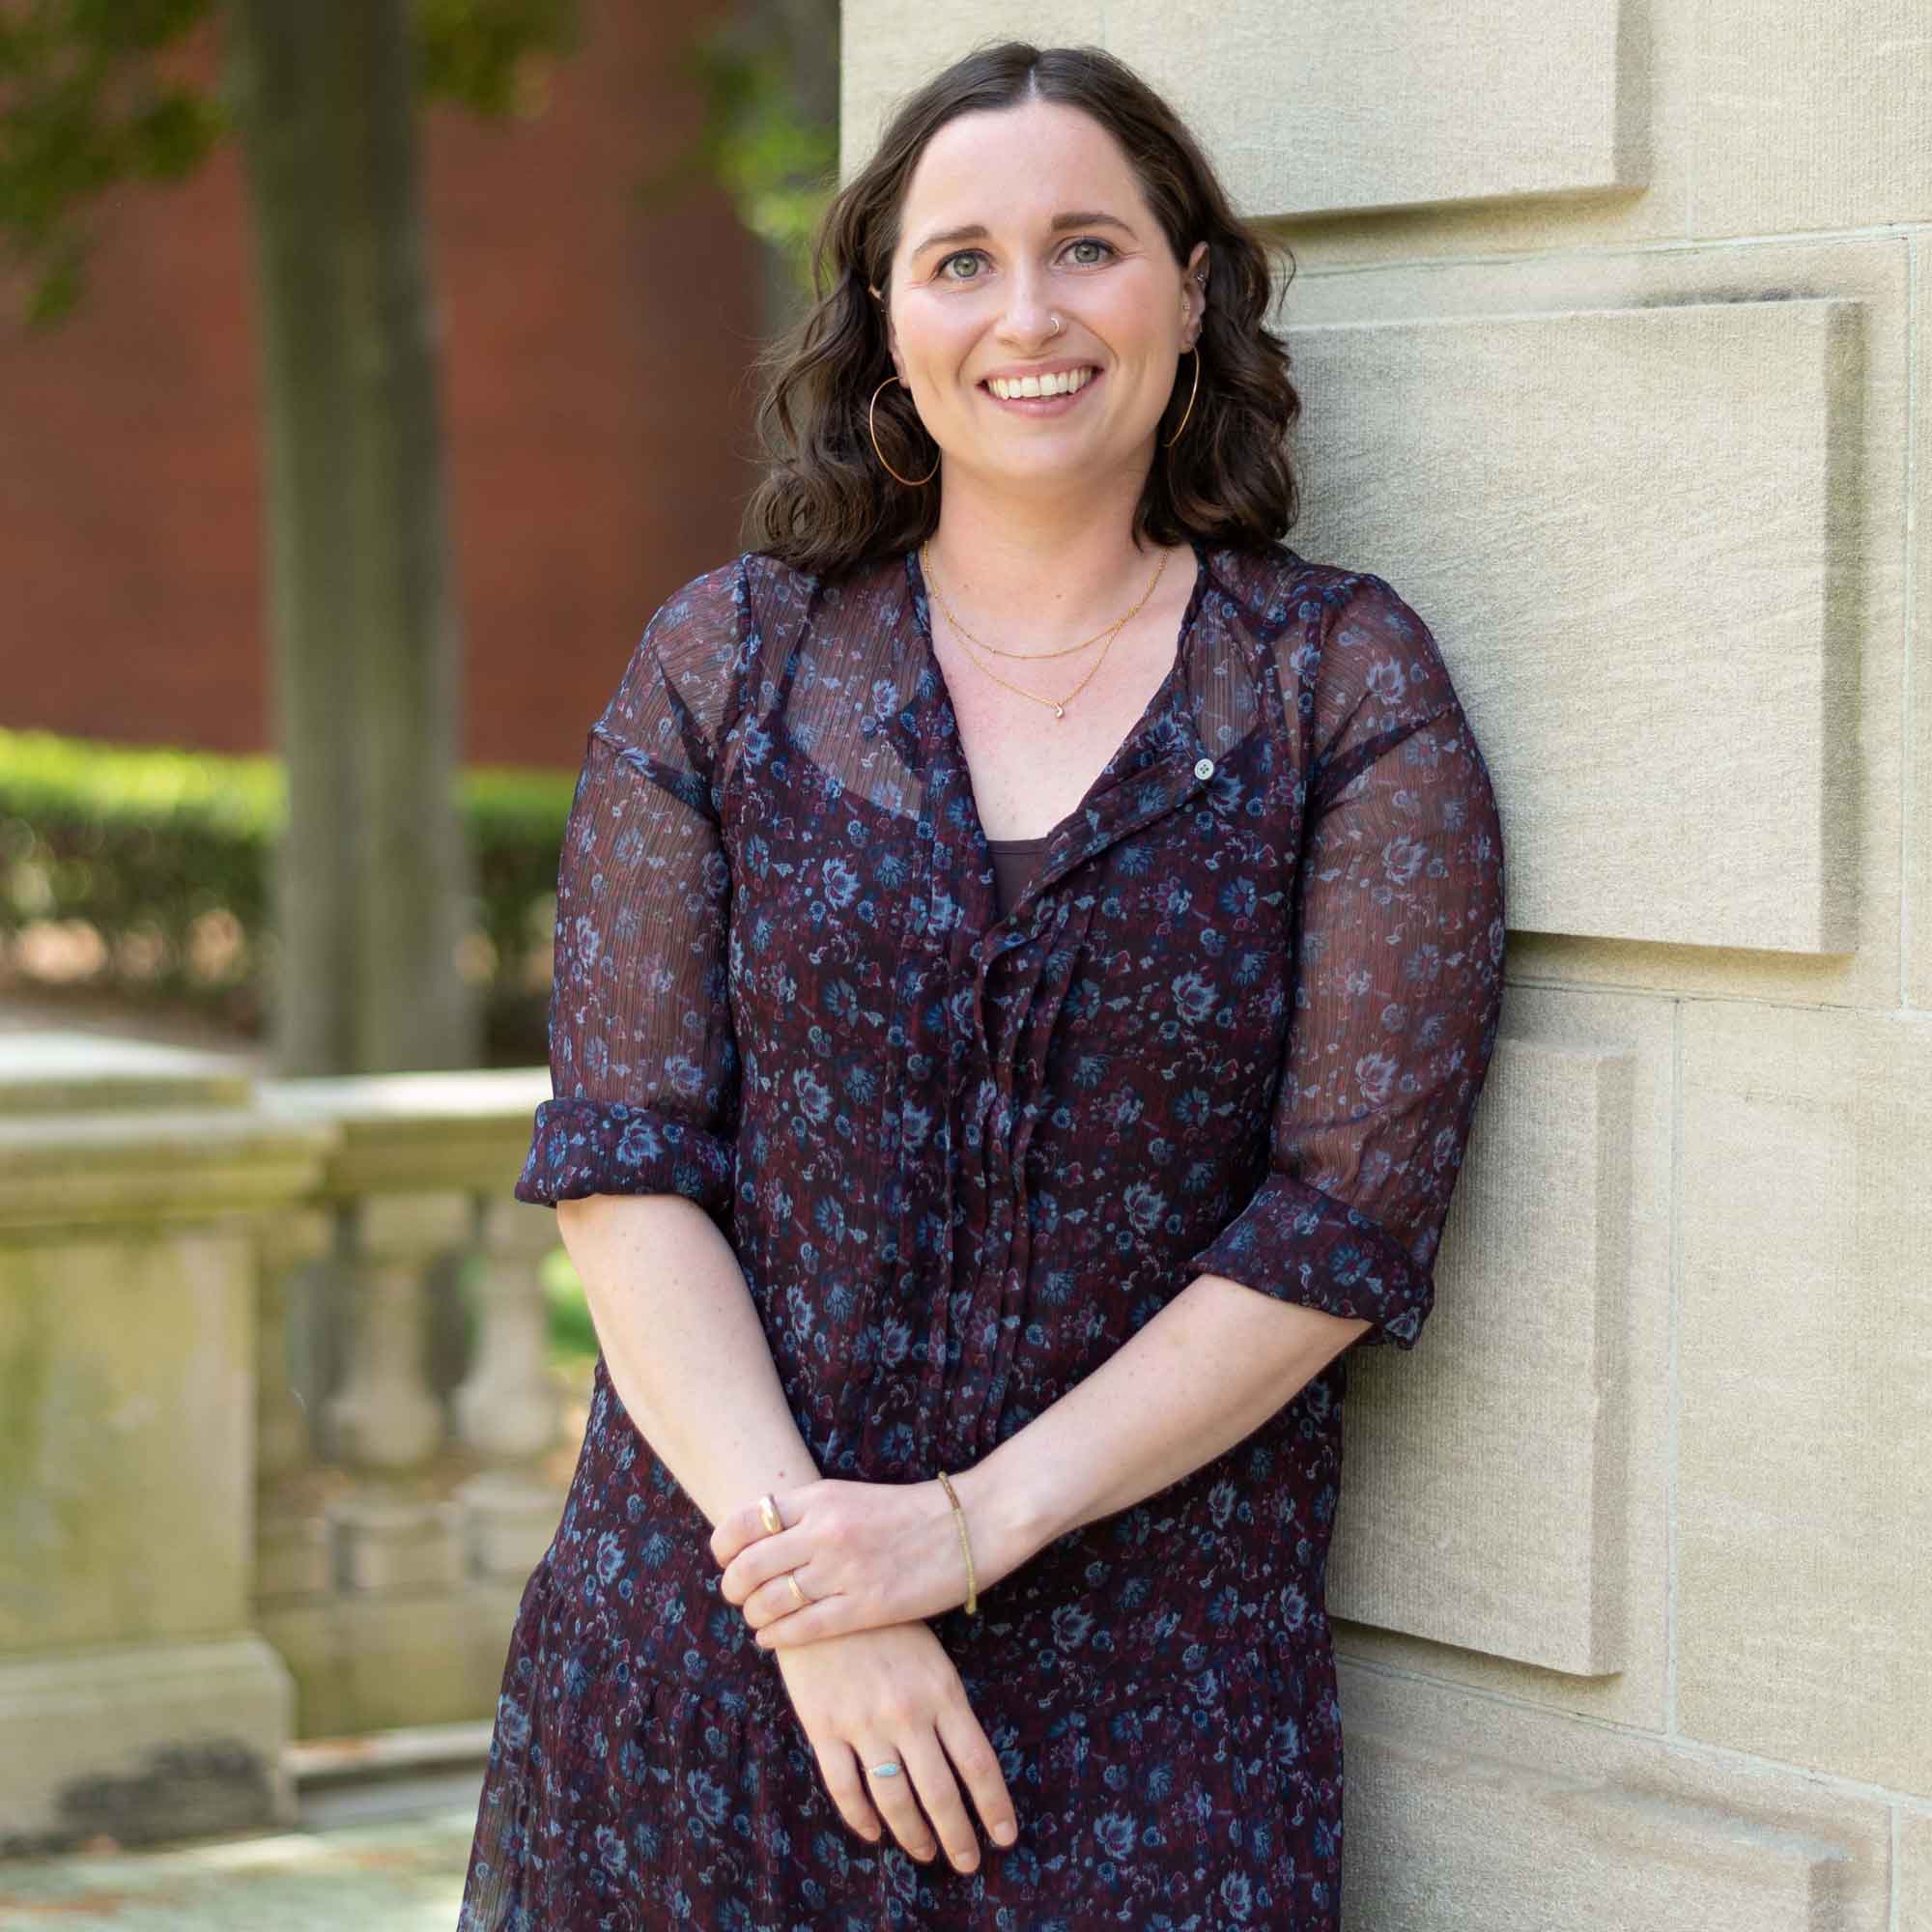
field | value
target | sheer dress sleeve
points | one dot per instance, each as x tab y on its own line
644	1064
1399	961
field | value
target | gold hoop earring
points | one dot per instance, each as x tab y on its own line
1191	394
910	482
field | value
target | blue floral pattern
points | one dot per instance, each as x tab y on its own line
1236	1020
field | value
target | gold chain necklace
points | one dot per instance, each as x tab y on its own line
925	564
1056	706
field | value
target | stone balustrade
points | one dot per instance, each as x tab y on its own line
278	1442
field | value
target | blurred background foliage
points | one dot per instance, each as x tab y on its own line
95	94
98	93
141	877
768	80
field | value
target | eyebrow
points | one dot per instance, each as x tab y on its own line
974	231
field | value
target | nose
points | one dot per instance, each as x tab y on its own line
1028	315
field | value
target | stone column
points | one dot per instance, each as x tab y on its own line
384	1423
508	1409
291	1534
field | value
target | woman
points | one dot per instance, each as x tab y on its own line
1029	949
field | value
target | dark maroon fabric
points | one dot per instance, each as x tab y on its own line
1013	864
1236	1020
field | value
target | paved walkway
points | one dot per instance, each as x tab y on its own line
388	1858
22	1010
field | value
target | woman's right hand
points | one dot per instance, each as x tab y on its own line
893	1694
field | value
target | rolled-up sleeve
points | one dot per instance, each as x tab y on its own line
1399	973
643	1059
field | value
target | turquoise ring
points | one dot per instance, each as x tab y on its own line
885	1770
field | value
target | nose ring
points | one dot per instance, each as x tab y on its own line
1058	325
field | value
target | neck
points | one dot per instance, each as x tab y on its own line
1053	564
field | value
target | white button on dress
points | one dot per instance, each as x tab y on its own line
1203	768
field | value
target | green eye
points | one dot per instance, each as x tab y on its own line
972	254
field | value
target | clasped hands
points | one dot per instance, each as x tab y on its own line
866	1554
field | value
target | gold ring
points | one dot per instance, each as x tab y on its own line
797	1590
768	1510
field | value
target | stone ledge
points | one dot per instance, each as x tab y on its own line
118	1742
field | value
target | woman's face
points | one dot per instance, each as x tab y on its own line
964	307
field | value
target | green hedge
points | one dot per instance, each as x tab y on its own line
166	856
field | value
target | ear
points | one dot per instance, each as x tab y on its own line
891	335
1194	286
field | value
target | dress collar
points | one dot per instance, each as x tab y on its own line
1156	767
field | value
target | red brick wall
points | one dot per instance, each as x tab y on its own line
594	395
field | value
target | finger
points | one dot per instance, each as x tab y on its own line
744	1527
939	1792
777	1617
742	1576
894	1796
838	1765
977	1764
758	1562
736	1528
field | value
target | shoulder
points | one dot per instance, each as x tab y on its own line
717	592
1285	602
788	605
727	632
1356	656
746	594
1375	642
684	667
1330	605
702	620
1261	587
785	597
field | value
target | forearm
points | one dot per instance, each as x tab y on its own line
1204	1373
684	1346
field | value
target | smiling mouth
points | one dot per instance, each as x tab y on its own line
1088	377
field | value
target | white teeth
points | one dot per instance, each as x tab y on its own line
1036	385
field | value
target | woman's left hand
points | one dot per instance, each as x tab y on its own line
864	1554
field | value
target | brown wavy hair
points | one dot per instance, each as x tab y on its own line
826	504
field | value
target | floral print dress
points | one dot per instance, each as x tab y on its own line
1234	1021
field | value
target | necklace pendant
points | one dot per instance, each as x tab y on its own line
1058	712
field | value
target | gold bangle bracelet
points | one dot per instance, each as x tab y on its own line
965	1546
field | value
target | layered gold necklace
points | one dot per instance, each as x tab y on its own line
1057	706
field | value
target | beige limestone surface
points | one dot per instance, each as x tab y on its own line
1504	1282
1487	1471
1474	1814
1480	566
1804	1590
